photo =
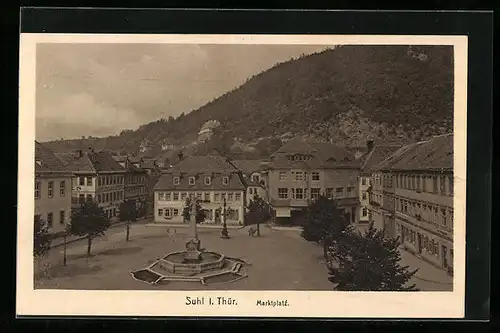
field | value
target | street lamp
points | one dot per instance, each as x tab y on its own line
224	233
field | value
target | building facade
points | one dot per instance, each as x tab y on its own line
300	172
420	179
97	176
52	189
210	179
135	186
255	178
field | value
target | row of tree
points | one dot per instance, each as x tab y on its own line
88	221
356	261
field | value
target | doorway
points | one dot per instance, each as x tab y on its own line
419	243
444	254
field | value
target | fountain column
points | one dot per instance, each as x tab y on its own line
193	245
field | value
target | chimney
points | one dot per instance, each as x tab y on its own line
181	156
369	145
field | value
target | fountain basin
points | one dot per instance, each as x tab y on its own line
175	263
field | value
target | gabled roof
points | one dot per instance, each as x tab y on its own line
375	156
197	166
434	154
248	166
91	161
322	155
46	160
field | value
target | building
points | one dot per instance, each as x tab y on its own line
376	154
135	187
210	179
52	189
96	176
421	176
300	171
255	178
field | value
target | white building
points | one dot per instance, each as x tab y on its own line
210	179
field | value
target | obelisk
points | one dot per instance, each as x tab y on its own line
193	245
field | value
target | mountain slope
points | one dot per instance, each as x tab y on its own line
344	94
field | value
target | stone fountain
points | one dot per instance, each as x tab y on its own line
194	264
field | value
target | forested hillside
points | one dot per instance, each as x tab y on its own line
346	94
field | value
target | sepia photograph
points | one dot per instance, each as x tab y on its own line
198	166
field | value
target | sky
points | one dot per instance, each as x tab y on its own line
102	89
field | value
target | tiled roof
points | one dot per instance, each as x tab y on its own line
393	158
323	155
434	154
376	156
91	161
200	166
46	160
248	166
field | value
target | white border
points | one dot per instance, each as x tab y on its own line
171	303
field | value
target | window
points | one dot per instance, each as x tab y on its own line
255	178
191	195
329	193
175	212
443	217
298	193
183	196
167	212
99	181
82	181
363	181
434	184
225	180
216	196
160	212
62	188
207	181
168	196
365	212
364	196
81	198
230	197
37	190
298	175
161	196
315	193
50	219
192	180
283	193
176	196
442	187
198	196
315	176
206	197
237	196
350	191
282	175
339	191
418	183
89	197
176	180
51	189
413	183
223	196
89	181
61	217
450	185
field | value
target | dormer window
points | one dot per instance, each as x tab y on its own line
176	180
191	180
225	180
207	181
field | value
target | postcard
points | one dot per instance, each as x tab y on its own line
290	176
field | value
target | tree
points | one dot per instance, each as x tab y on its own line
257	212
128	212
324	223
41	238
90	221
370	262
200	213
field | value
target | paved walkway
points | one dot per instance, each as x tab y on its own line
428	277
